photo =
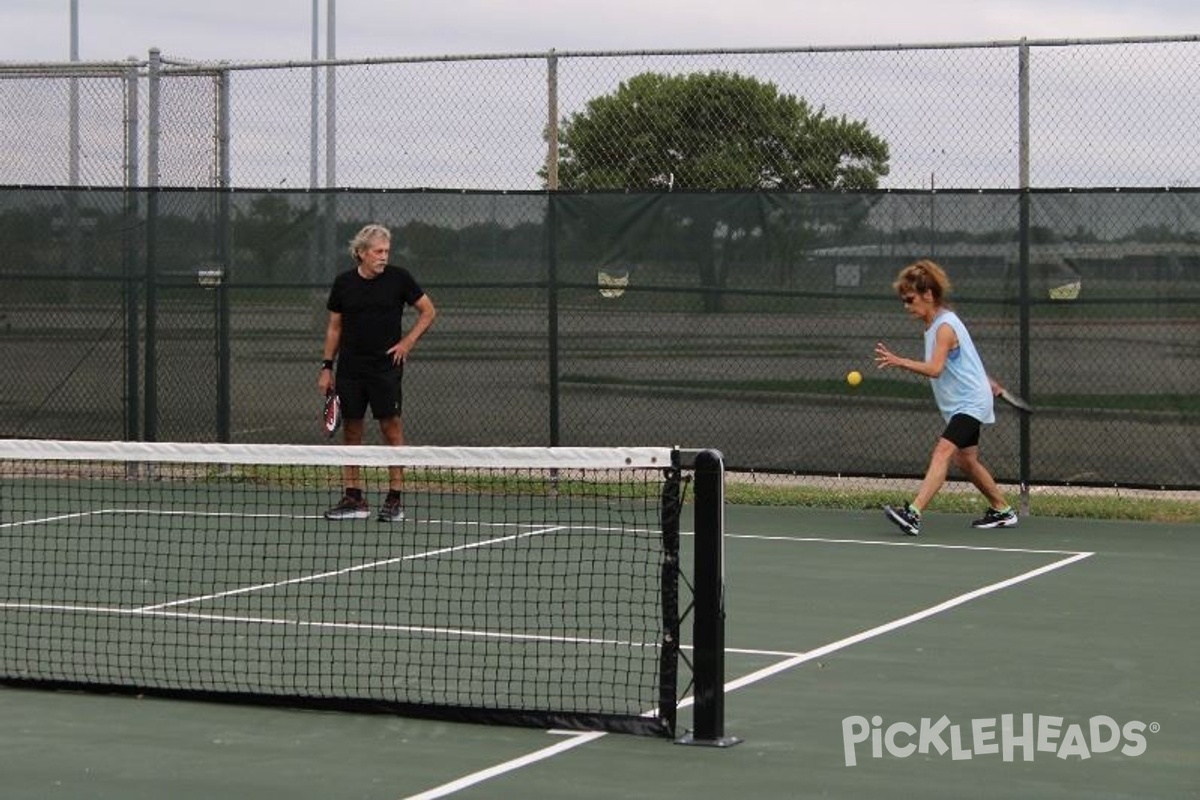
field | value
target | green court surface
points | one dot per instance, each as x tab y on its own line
859	663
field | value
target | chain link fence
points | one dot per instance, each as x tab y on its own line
1099	113
168	280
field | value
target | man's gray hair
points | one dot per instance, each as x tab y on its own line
362	240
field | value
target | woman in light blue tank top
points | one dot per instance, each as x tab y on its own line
962	390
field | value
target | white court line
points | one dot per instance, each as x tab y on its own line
240	514
384	627
887	627
468	781
576	739
154	512
318	576
902	543
44	520
348	570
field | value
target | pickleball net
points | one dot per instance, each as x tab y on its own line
528	586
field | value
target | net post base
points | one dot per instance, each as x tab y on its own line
689	738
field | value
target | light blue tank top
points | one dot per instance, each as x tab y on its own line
963	386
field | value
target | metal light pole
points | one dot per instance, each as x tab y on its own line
73	144
70	199
314	236
331	127
330	95
314	81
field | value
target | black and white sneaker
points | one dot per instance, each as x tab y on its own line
997	519
349	508
904	519
391	511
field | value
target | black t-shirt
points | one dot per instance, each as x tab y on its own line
371	314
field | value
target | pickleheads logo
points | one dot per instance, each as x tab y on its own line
1027	734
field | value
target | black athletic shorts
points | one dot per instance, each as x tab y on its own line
963	431
378	389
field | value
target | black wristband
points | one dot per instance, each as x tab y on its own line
327	364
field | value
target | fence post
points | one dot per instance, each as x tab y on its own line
129	255
225	255
1023	266
154	79
552	321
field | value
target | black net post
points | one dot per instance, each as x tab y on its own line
708	633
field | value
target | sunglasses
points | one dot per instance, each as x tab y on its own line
908	299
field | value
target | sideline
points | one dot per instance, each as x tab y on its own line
795	660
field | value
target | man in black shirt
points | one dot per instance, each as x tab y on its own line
364	335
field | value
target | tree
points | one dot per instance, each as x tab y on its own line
716	130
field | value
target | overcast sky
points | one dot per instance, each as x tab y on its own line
275	30
1090	127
